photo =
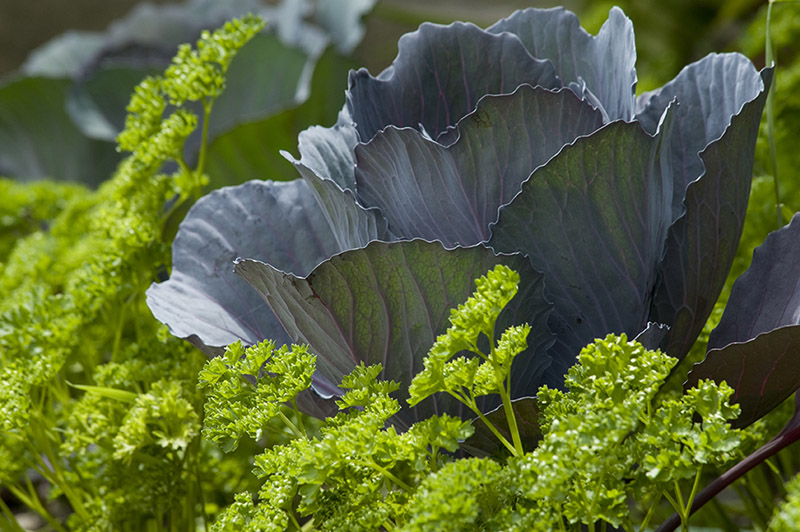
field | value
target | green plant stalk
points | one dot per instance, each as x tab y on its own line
40	433
754	510
297	432
769	56
489	424
299	417
31	500
10	523
724	520
387	474
504	385
649	515
201	158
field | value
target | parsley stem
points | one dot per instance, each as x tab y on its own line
649	515
486	422
11	521
512	421
291	425
294	521
201	159
386	473
299	417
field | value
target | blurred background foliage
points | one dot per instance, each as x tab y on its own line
669	34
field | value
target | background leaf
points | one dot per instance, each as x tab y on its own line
38	139
251	149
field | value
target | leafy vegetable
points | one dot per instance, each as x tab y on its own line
445	146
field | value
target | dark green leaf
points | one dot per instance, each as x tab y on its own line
252	150
38	139
581	220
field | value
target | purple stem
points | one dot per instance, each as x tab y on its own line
789	435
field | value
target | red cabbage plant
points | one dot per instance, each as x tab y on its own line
521	144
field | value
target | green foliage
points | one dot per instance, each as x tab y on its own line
787	516
199	74
357	474
467	378
609	440
785	24
27	208
248	387
72	310
437	506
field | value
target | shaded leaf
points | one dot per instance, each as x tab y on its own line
756	347
97	104
483	442
252	150
388	302
453	193
581	220
38	138
701	244
438	77
605	63
652	335
252	89
204	300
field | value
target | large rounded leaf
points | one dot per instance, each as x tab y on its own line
453	193
438	77
756	347
582	221
388	302
702	243
204	300
605	63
